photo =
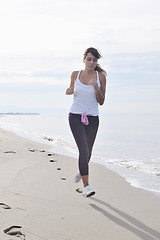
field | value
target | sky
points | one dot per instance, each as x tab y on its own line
43	41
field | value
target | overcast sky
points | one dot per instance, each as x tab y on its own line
43	41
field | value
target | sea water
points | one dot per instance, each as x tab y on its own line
127	144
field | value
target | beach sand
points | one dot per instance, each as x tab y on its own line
39	201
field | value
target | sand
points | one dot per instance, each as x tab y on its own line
39	201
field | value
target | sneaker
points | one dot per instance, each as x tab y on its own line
77	178
88	192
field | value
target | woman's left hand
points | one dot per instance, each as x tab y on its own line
94	83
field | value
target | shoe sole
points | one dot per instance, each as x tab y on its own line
90	194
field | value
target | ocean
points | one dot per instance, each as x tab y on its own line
128	144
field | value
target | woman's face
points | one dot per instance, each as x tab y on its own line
90	61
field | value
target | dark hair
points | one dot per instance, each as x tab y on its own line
97	55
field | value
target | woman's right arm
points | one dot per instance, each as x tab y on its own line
70	90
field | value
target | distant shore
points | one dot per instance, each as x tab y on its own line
39	199
17	113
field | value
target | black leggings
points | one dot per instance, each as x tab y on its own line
84	136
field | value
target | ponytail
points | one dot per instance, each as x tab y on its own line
99	69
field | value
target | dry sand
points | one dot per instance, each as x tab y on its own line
39	201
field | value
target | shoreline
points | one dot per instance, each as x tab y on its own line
38	198
140	171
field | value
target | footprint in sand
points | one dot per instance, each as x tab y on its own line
51	154
35	150
14	231
63	178
42	151
32	150
52	160
9	152
5	206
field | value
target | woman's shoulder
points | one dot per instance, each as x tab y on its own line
74	74
102	75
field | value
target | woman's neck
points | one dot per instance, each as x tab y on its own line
88	72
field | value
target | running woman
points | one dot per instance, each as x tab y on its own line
88	87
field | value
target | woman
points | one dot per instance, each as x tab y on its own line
88	87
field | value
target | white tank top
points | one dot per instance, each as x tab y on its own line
84	100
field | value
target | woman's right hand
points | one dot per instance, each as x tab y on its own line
69	91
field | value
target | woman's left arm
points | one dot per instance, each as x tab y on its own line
100	92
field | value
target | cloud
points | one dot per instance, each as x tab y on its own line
33	79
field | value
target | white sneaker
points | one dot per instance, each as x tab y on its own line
77	178
88	192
